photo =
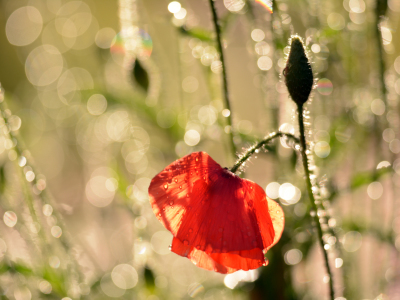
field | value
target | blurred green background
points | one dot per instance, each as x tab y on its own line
100	96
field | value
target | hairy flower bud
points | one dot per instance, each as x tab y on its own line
298	73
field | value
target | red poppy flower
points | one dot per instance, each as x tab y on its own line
219	221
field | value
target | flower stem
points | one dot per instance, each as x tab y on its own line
244	157
303	149
224	77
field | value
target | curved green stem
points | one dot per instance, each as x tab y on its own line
303	149
224	76
244	157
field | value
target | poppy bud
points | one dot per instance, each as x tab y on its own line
298	73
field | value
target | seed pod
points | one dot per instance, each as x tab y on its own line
298	73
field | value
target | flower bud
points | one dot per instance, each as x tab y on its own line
298	73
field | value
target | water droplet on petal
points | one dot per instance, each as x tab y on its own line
171	203
277	211
186	242
170	247
180	187
159	215
187	195
176	180
165	186
197	159
190	230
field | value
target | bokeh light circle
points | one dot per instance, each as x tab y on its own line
24	26
324	86
44	65
124	276
10	218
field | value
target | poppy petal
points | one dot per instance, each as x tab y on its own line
278	220
220	262
178	188
199	258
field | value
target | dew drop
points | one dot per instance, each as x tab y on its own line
170	247
165	186
180	187
190	230
176	180
171	203
159	215
251	187
197	159
187	195
204	178
186	242
277	211
198	247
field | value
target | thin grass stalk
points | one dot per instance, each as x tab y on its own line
44	197
217	28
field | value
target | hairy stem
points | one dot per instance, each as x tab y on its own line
244	157
303	149
224	76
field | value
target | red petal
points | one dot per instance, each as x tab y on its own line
278	220
199	258
215	213
219	262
